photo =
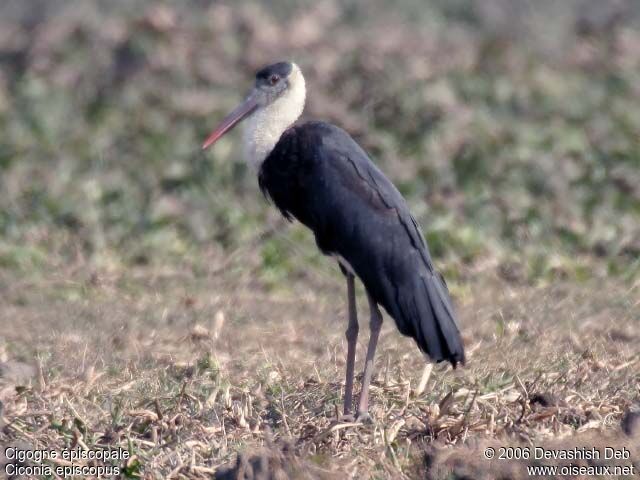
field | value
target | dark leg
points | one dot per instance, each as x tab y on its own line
375	325
352	338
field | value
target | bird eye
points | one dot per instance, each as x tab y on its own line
273	79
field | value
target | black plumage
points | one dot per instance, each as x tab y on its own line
316	173
319	175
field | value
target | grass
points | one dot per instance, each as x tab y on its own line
499	144
186	370
151	300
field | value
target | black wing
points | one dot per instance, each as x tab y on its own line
318	174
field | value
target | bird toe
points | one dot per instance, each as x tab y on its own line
347	418
364	417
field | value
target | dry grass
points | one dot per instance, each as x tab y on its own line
186	371
140	308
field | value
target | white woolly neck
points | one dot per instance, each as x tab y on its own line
266	125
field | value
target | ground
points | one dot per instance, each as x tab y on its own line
185	370
151	299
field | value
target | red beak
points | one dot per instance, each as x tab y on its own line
230	121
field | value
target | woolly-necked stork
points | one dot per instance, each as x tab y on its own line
315	172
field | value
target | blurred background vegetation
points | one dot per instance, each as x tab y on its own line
512	127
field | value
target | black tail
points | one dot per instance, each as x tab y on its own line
429	318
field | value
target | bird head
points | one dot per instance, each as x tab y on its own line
277	99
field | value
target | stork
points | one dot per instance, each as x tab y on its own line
316	173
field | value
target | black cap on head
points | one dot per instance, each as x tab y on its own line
282	69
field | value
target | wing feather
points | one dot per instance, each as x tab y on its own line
318	174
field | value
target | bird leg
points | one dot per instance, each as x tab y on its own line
375	324
352	338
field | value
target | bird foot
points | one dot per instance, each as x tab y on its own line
364	417
360	417
347	418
